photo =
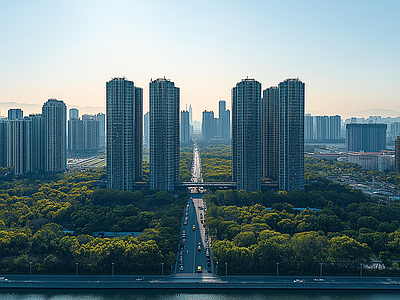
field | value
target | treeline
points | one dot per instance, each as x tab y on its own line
51	225
216	162
186	161
320	167
259	230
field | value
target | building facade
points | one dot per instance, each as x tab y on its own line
291	135
208	125
366	137
3	142
224	119
397	153
185	127
164	134
246	134
101	118
124	108
146	130
54	114
270	133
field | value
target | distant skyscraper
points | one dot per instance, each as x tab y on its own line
308	127
3	142
366	137
73	113
397	153
164	134
90	135
190	115
322	127
208	125
124	104
146	130
15	114
246	134
75	134
335	127
270	133
291	135
18	145
54	114
101	118
224	121
395	130
185	127
36	142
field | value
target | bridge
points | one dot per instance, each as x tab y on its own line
221	185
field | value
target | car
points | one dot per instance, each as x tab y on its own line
318	280
181	268
199	246
299	280
209	270
194	227
198	269
209	264
140	279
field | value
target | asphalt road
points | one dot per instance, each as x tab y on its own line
192	257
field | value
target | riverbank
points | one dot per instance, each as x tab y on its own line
201	283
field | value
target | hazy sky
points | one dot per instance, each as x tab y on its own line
347	52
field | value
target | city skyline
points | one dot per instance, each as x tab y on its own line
346	52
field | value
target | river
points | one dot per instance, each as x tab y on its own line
194	295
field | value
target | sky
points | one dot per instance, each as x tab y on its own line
346	52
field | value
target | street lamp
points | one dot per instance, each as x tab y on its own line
277	269
30	268
360	269
76	269
112	269
162	269
217	268
320	270
226	269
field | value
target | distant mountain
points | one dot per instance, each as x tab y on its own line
28	108
384	113
372	112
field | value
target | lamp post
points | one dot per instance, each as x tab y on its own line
320	270
277	269
112	269
30	268
162	269
217	268
76	269
360	269
226	269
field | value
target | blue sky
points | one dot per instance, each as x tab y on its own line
347	52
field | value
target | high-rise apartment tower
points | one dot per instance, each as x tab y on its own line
54	114
291	135
124	109
164	134
246	134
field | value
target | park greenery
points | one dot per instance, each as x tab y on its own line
332	168
50	222
327	223
216	162
186	161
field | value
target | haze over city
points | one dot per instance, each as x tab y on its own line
345	52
